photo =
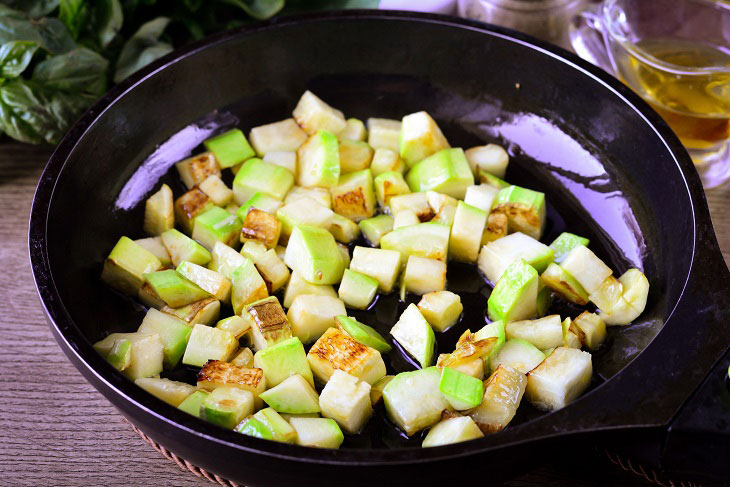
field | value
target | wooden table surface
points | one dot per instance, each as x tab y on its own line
55	429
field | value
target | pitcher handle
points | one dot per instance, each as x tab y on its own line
588	38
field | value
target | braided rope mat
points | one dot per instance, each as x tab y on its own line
625	464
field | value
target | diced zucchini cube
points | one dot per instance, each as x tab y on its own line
313	114
386	160
384	133
174	289
388	185
354	156
382	265
525	210
496	330
519	354
481	196
497	256
170	391
227	406
230	148
413	400
282	360
586	268
570	337
173	332
376	391
423	276
354	130
565	243
319	161
420	137
374	228
257	176
261	201
280	429
216	373
126	266
253	250
460	390
276	137
444	206
564	285
452	430
405	218
293	395
544	333
466	233
303	211
590	328
253	427
269	325
196	169
206	312
260	226
490	158
343	229
429	240
146	353
415	335
416	202
441	309
363	333
319	195
635	292
273	270
159	213
183	248
157	248
473	367
346	399
353	197
248	286
496	228
445	172
243	358
608	294
216	190
236	325
357	290
503	393
207	280
559	379
298	286
317	432
335	350
193	402
285	159
492	180
544	299
515	295
224	260
207	343
190	205
119	355
312	252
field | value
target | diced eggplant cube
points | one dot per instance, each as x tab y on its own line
173	332
388	185
386	160
277	137
346	399
207	343
248	286
125	267
544	333
293	395
446	171
257	176
466	233
559	379
230	148
525	210
190	205
313	114
515	295
298	286
503	393
382	265
174	289
282	360
497	256
210	281
357	290
441	309
170	391
195	170
428	240
384	133
319	161
413	400
260	226
335	350
354	156
317	432
159	212
227	406
269	324
490	158
374	228
146	353
313	253
353	197
452	430
415	335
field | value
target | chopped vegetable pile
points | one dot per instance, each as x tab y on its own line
286	362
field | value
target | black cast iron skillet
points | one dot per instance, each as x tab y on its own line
610	167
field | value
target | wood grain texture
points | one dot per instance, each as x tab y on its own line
56	430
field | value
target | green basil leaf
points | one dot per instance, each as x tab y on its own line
142	48
301	5
258	9
50	34
73	13
15	56
105	21
80	70
34	8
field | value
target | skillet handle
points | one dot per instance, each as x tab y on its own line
698	439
